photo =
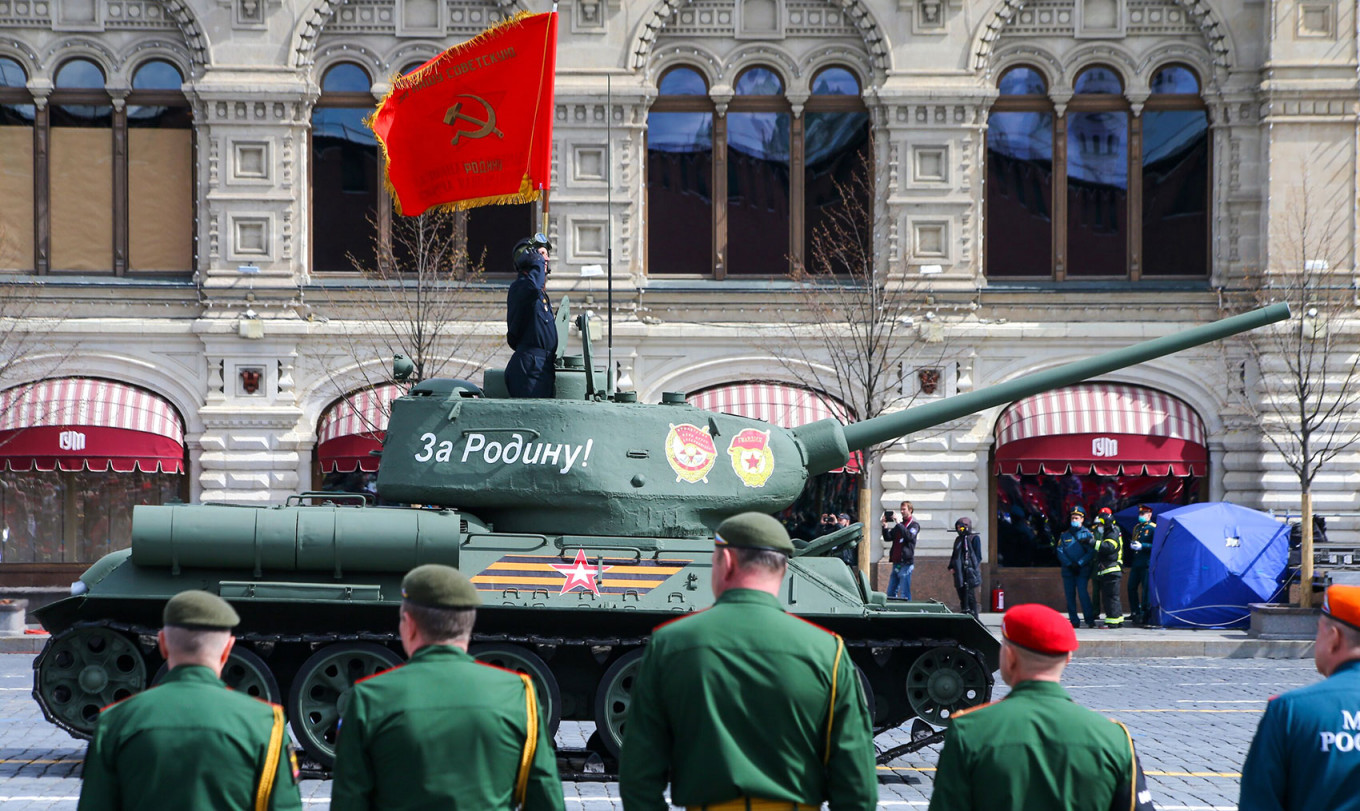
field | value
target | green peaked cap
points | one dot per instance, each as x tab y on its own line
754	531
200	609
435	585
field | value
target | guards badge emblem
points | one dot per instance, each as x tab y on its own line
691	452
752	458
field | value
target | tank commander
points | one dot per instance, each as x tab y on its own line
530	328
1036	748
189	742
407	740
1304	755
693	721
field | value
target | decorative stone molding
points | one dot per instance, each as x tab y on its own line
1193	15
466	18
717	18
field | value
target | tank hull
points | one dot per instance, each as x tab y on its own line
573	611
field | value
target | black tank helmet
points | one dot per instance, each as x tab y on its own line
523	252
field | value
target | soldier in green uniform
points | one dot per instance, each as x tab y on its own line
443	730
1037	750
189	742
744	706
1139	558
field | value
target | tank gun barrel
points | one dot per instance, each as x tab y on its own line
826	453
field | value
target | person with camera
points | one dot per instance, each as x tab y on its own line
901	540
530	327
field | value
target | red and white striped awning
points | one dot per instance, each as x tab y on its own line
777	404
80	423
354	425
1101	428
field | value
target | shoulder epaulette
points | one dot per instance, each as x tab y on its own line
677	619
960	713
379	673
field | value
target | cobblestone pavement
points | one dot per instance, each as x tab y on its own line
1192	720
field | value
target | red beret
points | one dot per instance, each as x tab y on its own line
1040	629
1343	603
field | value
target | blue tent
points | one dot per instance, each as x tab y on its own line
1127	518
1209	561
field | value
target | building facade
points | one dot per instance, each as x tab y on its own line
185	187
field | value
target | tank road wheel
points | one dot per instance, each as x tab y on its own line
523	660
85	670
322	683
943	681
613	697
245	672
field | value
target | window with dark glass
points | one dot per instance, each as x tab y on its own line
89	187
837	181
1019	202
680	209
1175	174
741	193
17	114
345	187
1098	192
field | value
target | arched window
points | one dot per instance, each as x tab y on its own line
1019	203
837	191
680	176
160	170
17	114
1127	197
742	193
90	187
82	197
345	165
1175	175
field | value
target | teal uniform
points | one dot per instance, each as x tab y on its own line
733	702
188	742
441	731
1306	753
1036	750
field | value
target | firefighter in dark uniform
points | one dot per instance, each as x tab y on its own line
189	742
530	328
1037	749
443	730
704	715
1306	752
1139	558
1108	569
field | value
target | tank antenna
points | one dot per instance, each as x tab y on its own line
609	226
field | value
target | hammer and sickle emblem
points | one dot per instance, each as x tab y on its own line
486	125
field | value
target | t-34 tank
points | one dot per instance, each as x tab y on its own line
585	520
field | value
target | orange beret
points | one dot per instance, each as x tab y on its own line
1040	629
1342	603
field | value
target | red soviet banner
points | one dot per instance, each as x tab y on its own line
473	126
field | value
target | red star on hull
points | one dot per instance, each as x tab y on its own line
579	573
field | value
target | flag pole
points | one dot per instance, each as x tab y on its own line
609	217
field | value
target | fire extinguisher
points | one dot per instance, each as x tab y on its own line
998	598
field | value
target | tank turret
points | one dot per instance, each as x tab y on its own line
585	465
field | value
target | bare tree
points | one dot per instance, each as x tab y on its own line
27	323
1300	382
416	301
869	336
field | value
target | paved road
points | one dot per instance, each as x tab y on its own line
1192	720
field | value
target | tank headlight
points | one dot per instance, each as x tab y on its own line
78	588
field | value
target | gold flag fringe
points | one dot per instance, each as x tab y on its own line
526	193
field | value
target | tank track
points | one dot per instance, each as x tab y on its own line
571	761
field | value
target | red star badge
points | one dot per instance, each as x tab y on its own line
579	573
